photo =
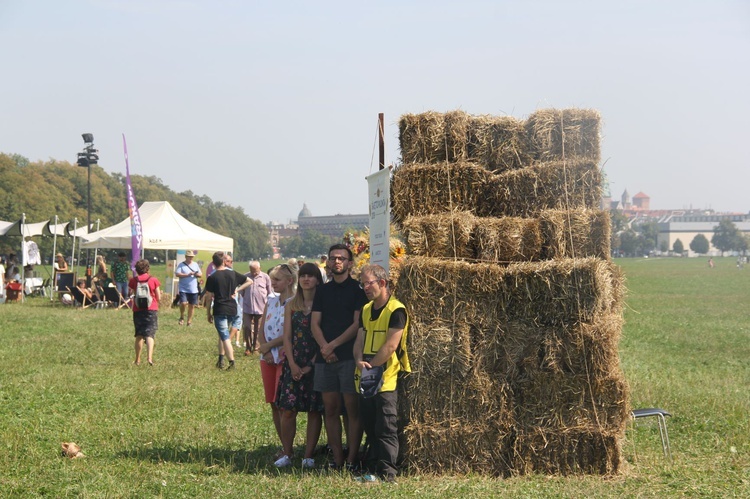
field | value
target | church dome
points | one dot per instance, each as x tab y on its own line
305	211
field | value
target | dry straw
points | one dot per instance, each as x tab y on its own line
555	292
555	234
500	143
429	189
554	134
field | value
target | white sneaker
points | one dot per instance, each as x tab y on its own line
237	343
308	462
283	462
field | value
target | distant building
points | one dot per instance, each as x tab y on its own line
673	224
685	226
641	201
331	225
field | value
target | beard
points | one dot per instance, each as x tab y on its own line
343	271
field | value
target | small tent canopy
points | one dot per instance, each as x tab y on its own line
163	228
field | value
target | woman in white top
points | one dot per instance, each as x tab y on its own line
283	281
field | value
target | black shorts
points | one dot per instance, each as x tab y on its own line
146	322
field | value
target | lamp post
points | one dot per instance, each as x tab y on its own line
89	156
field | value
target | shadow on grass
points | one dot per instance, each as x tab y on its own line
257	461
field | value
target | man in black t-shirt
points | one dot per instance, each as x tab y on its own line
335	320
222	286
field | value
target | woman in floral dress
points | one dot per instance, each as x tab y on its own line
295	393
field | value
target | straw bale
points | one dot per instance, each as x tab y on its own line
575	233
567	451
555	400
514	349
428	189
434	398
441	235
422	137
555	134
425	189
498	143
554	292
554	185
507	239
476	446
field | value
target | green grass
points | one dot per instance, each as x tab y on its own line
184	429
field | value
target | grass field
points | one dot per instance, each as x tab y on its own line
182	428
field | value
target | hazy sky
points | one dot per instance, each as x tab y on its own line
269	105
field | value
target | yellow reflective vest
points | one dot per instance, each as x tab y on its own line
376	333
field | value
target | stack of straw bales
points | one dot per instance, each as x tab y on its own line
515	307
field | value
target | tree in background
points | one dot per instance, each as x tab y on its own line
699	244
727	236
678	247
45	189
619	223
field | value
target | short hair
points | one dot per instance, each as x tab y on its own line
142	266
80	281
341	246
121	254
218	258
377	272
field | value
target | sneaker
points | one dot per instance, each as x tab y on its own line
352	467
308	462
390	478
366	478
231	365
283	462
220	363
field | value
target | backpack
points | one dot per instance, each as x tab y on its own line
143	294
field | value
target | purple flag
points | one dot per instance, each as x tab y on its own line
136	230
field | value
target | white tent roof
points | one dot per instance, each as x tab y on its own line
163	228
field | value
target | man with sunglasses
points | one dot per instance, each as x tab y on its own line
335	320
380	354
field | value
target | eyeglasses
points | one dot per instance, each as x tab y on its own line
338	258
367	284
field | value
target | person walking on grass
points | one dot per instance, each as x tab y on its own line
335	320
271	337
221	289
295	392
380	354
188	273
145	319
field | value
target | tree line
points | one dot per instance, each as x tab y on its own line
44	189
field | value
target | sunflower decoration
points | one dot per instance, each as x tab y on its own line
359	243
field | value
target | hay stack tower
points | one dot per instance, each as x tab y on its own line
515	307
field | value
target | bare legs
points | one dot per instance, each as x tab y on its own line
149	349
332	402
289	430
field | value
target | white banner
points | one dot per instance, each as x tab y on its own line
379	187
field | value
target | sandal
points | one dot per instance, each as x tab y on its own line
181	322
190	323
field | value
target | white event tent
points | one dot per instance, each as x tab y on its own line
163	228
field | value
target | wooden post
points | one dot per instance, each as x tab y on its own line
381	141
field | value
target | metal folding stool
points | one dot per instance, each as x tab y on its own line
660	415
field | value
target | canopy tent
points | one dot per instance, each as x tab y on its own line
163	228
49	228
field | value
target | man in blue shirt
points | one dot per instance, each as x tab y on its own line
188	272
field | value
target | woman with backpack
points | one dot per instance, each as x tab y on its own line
146	296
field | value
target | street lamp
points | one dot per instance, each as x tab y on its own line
88	157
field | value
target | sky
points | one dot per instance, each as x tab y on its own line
269	105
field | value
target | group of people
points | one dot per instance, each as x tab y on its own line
329	349
335	349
